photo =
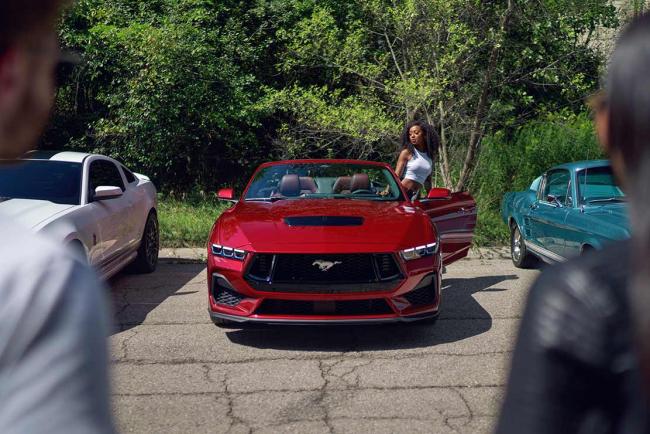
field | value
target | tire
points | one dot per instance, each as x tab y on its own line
521	258
147	258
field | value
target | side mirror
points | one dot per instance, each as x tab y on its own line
551	198
105	192
439	193
226	194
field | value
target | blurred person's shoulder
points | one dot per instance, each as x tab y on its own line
26	254
580	307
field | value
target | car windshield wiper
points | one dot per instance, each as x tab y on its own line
266	199
608	199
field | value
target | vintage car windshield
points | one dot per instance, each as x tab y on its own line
323	181
596	185
55	181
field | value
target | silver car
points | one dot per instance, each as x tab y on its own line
90	202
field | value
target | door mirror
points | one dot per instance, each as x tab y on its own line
105	192
551	198
226	194
439	193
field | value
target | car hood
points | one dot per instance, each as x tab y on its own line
262	226
31	213
610	221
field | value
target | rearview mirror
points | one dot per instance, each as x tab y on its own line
226	194
105	192
439	193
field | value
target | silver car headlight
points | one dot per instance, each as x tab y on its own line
419	251
229	252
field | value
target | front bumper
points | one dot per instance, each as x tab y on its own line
415	297
320	321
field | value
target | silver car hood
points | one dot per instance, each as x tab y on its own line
31	213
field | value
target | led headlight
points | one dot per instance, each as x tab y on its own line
419	251
228	252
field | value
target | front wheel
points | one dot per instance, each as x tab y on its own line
521	258
147	258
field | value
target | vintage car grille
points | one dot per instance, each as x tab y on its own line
324	273
329	308
424	294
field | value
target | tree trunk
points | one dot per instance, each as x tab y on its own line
481	109
444	155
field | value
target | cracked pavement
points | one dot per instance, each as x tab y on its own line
174	371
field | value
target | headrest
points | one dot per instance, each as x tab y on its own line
289	185
342	183
307	184
360	181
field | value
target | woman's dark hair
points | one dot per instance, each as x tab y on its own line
628	101
431	138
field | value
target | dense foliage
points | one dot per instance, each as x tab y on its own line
195	93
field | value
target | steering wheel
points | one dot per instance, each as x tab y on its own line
362	191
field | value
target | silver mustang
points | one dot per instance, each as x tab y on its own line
90	202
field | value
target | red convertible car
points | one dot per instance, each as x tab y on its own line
333	241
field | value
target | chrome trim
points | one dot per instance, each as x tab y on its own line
244	319
546	253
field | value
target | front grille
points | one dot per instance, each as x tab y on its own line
324	273
328	308
424	294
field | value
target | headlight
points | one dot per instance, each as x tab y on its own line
419	251
228	252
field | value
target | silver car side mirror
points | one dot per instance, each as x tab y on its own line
105	192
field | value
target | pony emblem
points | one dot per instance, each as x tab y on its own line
325	265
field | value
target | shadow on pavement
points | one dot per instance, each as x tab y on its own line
134	296
468	318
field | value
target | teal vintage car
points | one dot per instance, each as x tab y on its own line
567	211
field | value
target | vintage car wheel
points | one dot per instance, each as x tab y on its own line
147	258
520	256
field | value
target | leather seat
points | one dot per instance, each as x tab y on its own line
307	185
360	181
342	185
289	185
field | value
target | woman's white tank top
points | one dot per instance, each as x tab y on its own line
419	167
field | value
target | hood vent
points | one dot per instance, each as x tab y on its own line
324	221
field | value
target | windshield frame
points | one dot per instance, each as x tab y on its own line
584	172
388	173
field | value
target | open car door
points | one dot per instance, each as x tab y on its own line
454	215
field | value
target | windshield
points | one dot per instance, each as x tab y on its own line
597	185
55	181
323	181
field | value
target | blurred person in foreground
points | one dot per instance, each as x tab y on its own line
581	360
53	316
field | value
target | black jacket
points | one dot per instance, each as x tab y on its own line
574	369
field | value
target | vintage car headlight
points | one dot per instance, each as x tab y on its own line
419	251
228	252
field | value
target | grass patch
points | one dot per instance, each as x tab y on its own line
187	223
490	229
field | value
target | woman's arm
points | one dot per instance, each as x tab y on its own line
403	158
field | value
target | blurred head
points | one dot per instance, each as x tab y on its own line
28	56
623	119
418	133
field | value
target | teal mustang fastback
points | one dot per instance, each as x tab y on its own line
568	210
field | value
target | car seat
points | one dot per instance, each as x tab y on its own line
360	181
342	185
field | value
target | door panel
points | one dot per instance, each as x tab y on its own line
455	220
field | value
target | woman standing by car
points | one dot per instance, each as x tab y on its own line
417	156
582	360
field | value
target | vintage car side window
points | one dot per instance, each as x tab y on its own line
103	172
557	184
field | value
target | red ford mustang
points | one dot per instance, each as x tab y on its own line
333	241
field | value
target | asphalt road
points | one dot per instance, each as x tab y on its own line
175	372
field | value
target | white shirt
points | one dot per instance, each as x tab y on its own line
419	167
53	339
